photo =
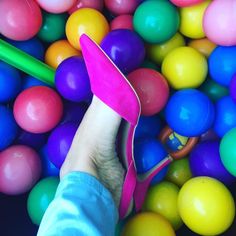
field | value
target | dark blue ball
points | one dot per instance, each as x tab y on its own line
30	81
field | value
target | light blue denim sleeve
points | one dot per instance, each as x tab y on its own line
82	206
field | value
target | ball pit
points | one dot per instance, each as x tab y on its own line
142	38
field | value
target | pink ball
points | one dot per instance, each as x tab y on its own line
121	7
20	168
38	109
56	6
122	22
20	19
95	4
152	90
185	3
219	22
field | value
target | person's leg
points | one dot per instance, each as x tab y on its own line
93	148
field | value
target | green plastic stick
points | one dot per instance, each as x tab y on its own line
26	63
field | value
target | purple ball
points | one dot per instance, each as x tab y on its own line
205	161
233	88
72	80
125	48
59	142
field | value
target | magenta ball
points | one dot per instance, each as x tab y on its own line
121	7
72	80
95	4
38	109
122	22
185	3
233	88
20	168
20	19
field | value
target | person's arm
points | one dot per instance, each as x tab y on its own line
82	206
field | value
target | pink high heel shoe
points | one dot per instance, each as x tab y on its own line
111	87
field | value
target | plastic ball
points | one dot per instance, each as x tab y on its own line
30	81
222	64
210	135
56	6
218	22
185	3
228	151
162	198
58	52
179	172
88	21
206	206
20	20
53	27
38	109
148	126
214	90
95	4
205	161
148	224
233	88
8	127
157	52
125	48
184	67
156	21
10	82
191	20
148	152
152	90
20	168
72	80
122	22
59	143
32	47
225	118
35	141
40	197
204	46
189	112
48	169
150	64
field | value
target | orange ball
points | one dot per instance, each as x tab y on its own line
58	52
88	21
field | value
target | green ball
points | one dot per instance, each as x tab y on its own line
156	21
40	197
214	90
228	151
53	27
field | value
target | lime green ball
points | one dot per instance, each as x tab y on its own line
228	151
53	27
40	197
156	21
179	172
214	90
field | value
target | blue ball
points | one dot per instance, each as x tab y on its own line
190	112
32	46
148	152
30	81
10	82
148	126
222	64
48	169
225	116
8	127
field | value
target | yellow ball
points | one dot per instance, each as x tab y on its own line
206	206
88	21
157	52
58	52
191	20
185	67
148	224
162	198
204	46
